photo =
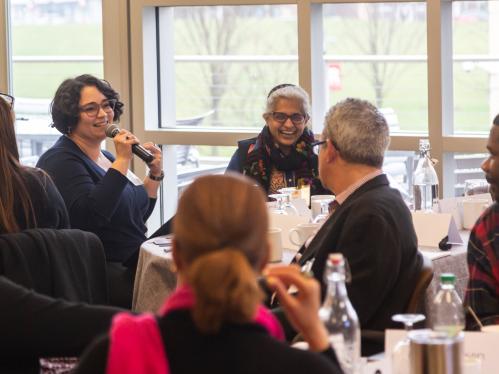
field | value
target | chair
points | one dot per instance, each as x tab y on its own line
67	263
376	338
415	304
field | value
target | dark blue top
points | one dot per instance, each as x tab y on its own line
103	202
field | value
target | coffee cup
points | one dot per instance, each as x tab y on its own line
472	209
315	203
302	232
275	241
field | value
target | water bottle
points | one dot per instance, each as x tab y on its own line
448	313
425	180
340	317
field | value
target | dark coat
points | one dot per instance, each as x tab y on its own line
373	229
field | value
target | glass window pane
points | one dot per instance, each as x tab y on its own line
51	41
476	70
377	51
466	167
225	61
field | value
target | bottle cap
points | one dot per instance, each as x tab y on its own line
447	278
335	258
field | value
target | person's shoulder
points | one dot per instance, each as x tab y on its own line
61	149
245	143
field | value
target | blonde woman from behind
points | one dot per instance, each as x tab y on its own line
214	322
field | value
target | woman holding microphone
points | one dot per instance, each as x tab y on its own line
101	194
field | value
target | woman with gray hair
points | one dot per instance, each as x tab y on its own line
281	155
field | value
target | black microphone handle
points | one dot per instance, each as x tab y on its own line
142	153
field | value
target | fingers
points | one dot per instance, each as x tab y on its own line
126	137
151	147
290	275
287	300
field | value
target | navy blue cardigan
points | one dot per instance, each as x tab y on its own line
105	203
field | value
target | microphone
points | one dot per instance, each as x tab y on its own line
137	149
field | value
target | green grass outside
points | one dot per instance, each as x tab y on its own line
243	102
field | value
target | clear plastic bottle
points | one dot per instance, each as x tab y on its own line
448	313
425	180
340	317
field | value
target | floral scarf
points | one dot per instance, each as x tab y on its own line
265	155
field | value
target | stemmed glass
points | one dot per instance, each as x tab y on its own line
400	354
324	214
288	207
279	207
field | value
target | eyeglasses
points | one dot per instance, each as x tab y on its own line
8	99
296	118
92	109
321	142
315	145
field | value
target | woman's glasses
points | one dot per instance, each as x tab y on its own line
92	109
8	99
296	118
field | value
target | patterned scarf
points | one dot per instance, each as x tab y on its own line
302	161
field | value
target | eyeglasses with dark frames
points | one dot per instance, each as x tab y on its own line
8	99
92	109
321	142
296	118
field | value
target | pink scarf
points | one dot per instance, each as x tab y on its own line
136	345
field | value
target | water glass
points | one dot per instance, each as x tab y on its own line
400	354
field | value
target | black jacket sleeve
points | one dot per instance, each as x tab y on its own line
34	325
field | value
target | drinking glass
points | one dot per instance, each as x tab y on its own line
400	354
324	214
288	207
279	207
475	186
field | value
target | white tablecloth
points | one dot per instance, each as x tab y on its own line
156	277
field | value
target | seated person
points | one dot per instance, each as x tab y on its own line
28	197
282	155
370	224
35	326
482	293
101	194
214	322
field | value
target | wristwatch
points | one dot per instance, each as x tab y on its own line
156	178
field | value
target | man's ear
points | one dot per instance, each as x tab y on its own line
331	151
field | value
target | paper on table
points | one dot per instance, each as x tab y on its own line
433	255
431	228
162	240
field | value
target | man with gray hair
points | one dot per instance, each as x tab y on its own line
370	223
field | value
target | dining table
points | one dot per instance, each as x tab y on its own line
156	275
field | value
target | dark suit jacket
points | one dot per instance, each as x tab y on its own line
373	229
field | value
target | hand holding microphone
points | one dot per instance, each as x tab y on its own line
137	149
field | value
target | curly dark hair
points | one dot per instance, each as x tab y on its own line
496	120
65	106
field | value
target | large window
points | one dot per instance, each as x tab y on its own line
51	41
225	61
194	75
377	51
476	64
